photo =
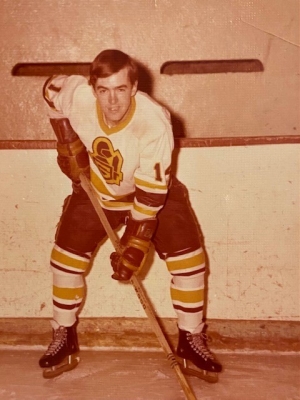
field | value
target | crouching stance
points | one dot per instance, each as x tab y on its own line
123	141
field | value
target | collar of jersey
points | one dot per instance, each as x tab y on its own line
121	125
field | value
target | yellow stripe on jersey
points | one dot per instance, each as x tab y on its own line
186	263
145	184
99	185
68	293
116	204
144	211
68	261
187	296
102	189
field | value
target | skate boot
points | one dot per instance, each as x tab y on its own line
62	353
195	358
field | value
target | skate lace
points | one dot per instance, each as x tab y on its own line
198	343
57	343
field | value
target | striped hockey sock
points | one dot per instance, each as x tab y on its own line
187	289
68	284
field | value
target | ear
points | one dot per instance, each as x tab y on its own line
134	88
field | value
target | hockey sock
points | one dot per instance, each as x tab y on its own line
68	284
187	289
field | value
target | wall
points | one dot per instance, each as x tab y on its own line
245	198
156	31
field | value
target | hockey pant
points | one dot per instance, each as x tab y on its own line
177	241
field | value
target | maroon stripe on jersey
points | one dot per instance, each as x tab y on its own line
188	310
66	306
64	269
150	199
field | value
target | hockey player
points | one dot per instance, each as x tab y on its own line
123	141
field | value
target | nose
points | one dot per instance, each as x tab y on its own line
112	97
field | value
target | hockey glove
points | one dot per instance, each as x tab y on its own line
134	247
72	155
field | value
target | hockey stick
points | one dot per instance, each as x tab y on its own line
85	183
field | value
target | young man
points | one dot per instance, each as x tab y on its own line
123	141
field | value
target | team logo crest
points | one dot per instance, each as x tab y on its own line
108	160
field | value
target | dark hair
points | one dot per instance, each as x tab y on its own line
109	62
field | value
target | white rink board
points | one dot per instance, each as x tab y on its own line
247	203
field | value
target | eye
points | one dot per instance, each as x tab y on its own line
101	90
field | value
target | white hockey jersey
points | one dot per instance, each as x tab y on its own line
130	162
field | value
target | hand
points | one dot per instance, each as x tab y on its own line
126	263
72	158
135	244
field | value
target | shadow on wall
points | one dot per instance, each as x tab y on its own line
146	85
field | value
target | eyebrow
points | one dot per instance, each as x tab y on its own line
117	87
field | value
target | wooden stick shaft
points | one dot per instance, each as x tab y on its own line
85	183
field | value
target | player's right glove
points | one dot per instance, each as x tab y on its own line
134	248
72	155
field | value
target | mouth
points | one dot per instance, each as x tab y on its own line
114	109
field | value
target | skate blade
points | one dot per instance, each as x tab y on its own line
208	376
68	364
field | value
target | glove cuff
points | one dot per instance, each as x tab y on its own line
141	229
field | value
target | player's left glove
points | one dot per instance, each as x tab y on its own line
134	247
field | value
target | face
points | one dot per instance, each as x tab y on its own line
114	96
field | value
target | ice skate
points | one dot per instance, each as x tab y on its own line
63	352
195	358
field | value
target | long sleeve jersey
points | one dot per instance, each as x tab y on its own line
130	162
